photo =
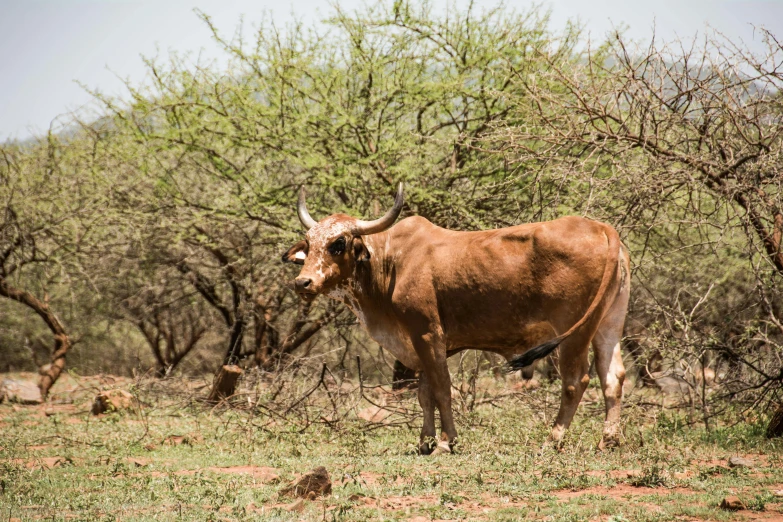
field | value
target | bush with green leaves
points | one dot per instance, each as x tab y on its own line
490	118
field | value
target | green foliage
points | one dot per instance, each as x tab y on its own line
160	223
198	173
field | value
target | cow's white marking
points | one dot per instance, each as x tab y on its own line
329	228
300	255
344	294
389	336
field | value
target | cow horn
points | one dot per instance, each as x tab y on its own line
301	209
363	228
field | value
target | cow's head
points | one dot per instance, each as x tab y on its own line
332	247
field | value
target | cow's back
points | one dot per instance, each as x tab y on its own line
491	289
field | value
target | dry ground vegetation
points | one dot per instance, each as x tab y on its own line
176	458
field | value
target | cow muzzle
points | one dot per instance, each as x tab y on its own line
306	288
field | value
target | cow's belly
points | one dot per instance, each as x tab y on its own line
510	338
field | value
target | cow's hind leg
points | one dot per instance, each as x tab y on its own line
427	442
574	368
528	371
609	365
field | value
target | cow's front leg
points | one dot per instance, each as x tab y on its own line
436	373
427	442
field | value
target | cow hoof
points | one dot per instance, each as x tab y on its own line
427	447
550	445
608	443
443	448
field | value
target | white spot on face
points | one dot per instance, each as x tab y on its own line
327	230
319	237
300	255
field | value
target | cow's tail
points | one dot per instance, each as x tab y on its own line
542	350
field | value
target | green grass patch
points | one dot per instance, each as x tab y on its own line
191	462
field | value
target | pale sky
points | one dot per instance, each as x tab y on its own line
46	46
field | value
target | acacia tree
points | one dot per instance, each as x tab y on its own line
383	96
680	146
42	232
170	316
489	118
182	229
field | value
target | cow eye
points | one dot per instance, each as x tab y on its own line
338	247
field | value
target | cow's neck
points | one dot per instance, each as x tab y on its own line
368	289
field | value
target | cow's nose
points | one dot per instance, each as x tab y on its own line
303	284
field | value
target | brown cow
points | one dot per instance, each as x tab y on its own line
425	293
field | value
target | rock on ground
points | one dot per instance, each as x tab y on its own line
740	462
374	414
296	506
22	392
113	400
732	503
310	485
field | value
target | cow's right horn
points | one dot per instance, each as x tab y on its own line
363	228
301	209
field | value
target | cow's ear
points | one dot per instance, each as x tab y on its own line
296	254
360	252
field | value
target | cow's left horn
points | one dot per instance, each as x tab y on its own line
363	228
301	209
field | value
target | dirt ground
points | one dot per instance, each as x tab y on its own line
173	457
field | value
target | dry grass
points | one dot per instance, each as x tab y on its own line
178	458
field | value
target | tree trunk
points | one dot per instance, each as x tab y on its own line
235	341
775	428
225	383
266	338
271	350
62	343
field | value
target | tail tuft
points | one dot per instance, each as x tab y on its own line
532	355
